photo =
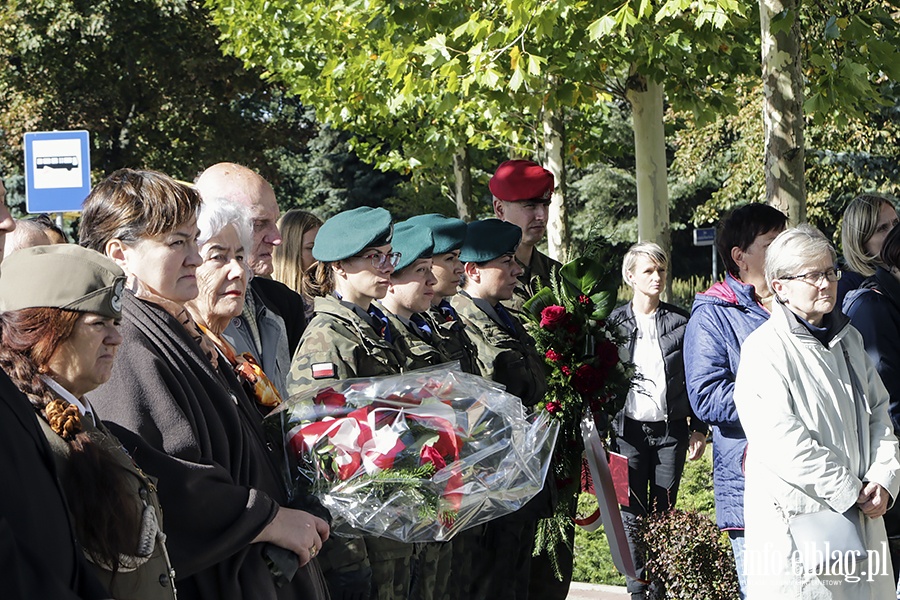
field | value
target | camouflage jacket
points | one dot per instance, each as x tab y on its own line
536	276
417	352
450	336
340	344
503	355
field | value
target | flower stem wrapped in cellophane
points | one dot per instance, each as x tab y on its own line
415	457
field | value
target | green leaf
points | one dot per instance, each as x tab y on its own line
541	300
601	28
832	31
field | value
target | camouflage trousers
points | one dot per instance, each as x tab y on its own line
391	563
431	571
501	568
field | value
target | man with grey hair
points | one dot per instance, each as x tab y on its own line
25	235
273	317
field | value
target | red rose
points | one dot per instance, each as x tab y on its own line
607	355
330	398
553	356
553	316
565	370
553	406
587	380
429	454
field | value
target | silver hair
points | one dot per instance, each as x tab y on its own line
795	248
648	249
216	213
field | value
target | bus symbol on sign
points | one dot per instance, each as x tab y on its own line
57	162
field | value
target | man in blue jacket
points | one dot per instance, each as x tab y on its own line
721	319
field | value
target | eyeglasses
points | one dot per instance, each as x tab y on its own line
815	277
381	260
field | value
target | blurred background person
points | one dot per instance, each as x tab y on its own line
867	221
820	441
181	412
293	257
874	309
25	235
656	429
51	229
61	306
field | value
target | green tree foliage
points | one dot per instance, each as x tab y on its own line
145	77
422	78
723	159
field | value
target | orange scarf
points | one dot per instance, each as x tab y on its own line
247	369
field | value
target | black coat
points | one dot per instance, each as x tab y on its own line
874	309
671	322
193	428
286	303
39	557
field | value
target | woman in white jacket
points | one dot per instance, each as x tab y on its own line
819	438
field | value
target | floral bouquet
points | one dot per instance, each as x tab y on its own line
585	375
415	457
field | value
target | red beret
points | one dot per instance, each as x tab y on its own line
517	180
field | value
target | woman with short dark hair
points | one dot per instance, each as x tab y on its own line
182	413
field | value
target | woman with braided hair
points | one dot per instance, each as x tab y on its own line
61	306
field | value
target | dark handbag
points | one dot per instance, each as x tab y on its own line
826	538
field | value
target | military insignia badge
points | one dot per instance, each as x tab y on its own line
323	370
116	299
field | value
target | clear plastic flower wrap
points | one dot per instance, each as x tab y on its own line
415	457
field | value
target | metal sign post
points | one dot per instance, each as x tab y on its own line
706	236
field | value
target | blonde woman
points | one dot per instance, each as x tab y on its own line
867	221
294	256
656	429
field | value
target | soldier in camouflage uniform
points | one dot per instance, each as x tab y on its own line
506	354
449	331
350	337
450	337
522	191
409	295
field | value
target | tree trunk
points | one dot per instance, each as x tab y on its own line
783	111
554	159
646	98
462	176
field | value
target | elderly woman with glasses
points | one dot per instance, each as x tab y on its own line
349	336
178	408
822	459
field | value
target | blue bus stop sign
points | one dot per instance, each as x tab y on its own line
57	171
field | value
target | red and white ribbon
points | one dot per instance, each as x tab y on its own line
605	492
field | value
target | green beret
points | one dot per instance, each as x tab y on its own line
412	242
489	239
63	276
352	231
448	233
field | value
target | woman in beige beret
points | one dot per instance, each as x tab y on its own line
59	335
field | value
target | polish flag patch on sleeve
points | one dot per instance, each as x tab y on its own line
323	370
